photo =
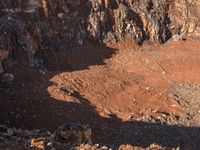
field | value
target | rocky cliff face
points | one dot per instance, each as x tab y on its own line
39	26
155	20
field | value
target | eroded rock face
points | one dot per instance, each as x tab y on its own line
138	20
39	26
184	16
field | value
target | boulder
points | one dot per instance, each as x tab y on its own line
73	134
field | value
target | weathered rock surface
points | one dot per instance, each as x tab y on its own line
142	20
73	134
32	28
39	26
68	136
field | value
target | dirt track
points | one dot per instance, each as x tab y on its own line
129	94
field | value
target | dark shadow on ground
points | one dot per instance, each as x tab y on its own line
28	104
78	59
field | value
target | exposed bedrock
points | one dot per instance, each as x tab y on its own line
35	27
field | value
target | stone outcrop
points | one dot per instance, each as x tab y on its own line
184	16
38	26
140	20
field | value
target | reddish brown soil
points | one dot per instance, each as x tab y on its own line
123	93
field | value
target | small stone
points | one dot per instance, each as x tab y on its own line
7	77
38	143
10	131
61	15
147	88
49	144
104	148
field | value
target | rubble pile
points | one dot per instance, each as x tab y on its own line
68	136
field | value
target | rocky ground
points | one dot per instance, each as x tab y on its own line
133	97
36	27
79	61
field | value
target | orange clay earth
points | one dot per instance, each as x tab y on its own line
126	93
